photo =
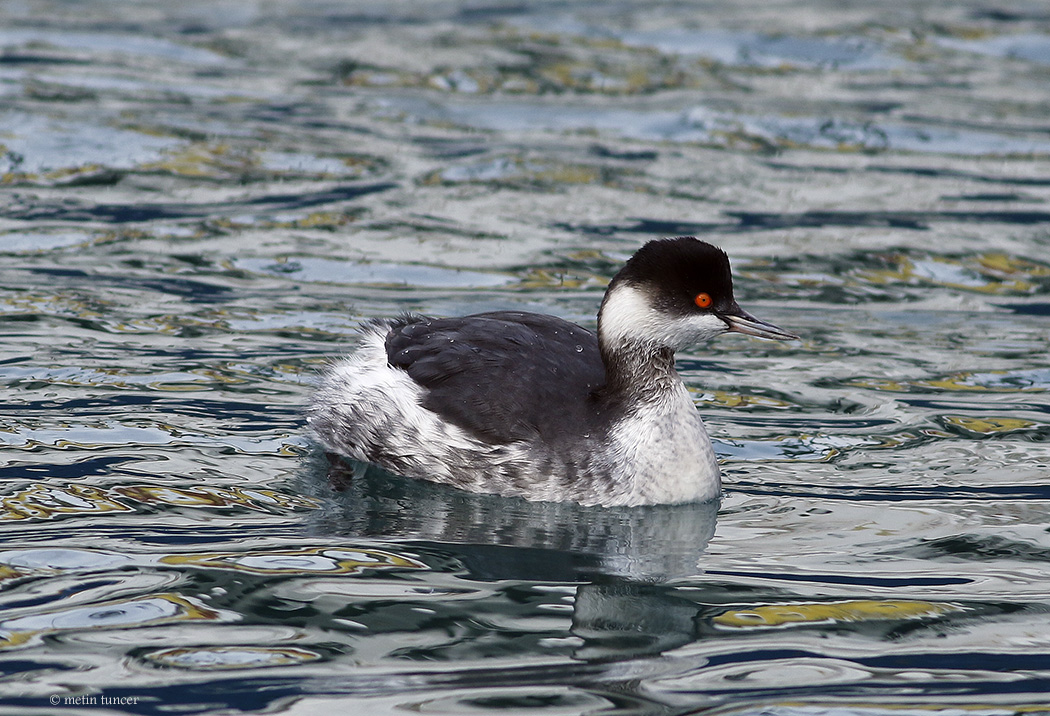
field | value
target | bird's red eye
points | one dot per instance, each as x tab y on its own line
703	300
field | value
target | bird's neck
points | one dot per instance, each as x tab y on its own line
639	371
633	341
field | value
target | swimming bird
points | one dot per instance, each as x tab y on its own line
525	404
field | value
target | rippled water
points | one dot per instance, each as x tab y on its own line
200	201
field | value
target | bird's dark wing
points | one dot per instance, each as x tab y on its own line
502	376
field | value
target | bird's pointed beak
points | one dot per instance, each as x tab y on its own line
740	321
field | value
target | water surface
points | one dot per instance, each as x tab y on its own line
200	201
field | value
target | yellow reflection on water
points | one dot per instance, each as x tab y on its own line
231	657
992	273
154	609
778	615
324	560
43	502
988	426
40	501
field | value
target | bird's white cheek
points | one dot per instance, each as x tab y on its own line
628	316
700	327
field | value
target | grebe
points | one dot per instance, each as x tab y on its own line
531	405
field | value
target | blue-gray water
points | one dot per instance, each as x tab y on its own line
200	200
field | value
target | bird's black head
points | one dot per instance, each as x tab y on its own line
673	293
682	276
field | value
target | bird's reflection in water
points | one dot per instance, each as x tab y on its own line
618	559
